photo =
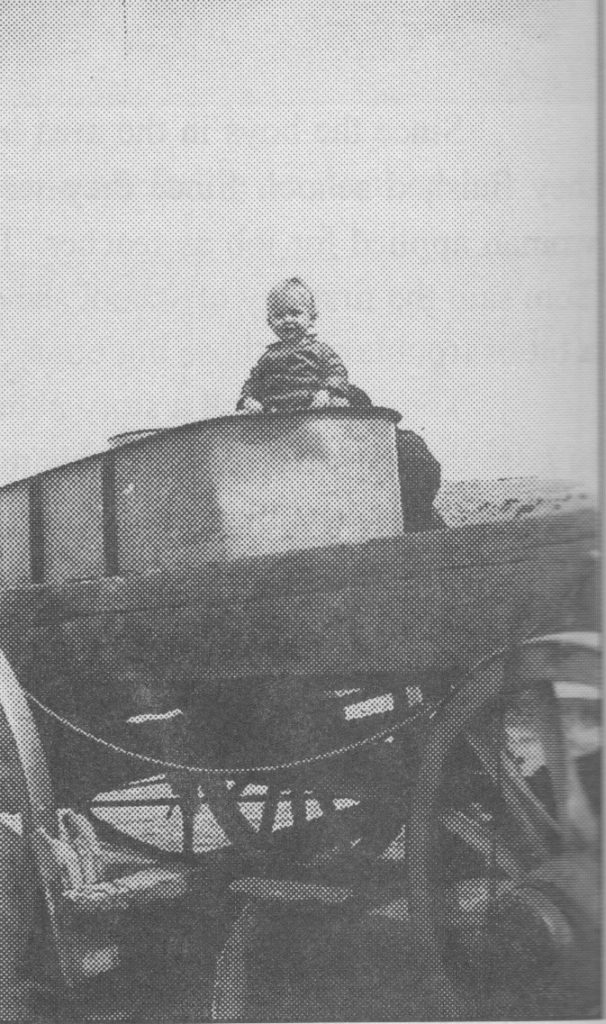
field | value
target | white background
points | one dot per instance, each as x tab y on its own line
429	167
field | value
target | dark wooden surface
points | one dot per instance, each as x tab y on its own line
392	563
248	650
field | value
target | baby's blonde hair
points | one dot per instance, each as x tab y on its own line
292	284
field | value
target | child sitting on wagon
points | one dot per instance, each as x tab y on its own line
297	371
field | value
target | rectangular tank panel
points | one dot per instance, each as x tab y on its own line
72	518
14	535
255	485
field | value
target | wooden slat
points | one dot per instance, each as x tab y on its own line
257	639
397	562
117	640
36	530
110	524
270	808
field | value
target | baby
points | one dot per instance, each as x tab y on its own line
297	371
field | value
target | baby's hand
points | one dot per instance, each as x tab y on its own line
320	400
250	405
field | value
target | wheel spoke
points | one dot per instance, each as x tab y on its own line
483	840
298	803
230	818
534	820
578	823
239	789
325	802
270	808
336	829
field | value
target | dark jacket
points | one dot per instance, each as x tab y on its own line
420	473
295	373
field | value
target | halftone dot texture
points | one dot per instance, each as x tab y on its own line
241	596
304	679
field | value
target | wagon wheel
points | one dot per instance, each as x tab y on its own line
26	787
136	812
27	802
30	983
503	837
337	813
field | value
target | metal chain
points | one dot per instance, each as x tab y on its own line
226	772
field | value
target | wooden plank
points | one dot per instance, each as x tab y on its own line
394	562
430	621
241	658
110	522
37	546
409	608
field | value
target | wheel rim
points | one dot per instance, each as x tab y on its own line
339	817
503	833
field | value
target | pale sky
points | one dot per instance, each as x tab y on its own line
428	166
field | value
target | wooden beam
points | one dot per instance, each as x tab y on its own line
36	530
397	562
110	522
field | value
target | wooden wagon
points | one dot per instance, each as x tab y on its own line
396	735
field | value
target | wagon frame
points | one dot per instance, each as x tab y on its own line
349	679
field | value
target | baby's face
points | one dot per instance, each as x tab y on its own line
290	318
